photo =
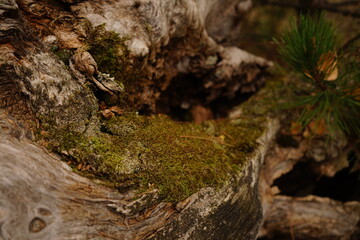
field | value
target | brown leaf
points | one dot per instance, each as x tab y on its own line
80	167
327	64
318	127
117	110
107	114
295	128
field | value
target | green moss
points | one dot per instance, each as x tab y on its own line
112	56
156	152
63	54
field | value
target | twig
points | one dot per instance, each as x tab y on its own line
348	43
346	3
228	135
300	7
336	10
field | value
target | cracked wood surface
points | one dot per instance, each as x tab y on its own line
42	198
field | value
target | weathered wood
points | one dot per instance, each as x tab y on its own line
42	198
310	217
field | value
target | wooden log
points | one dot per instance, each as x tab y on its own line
310	217
42	198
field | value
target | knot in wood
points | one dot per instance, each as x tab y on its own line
36	225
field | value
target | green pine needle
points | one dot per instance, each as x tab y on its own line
309	47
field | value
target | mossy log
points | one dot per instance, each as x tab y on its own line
52	78
42	198
68	66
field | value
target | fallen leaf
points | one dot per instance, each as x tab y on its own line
80	167
107	114
200	113
318	127
295	128
117	110
327	64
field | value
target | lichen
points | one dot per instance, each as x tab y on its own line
156	152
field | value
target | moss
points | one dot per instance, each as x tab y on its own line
63	54
156	152
112	56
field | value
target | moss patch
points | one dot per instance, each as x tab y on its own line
155	152
112	56
64	54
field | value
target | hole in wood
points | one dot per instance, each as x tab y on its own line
36	225
344	186
187	99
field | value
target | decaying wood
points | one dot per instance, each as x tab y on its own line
309	217
42	198
170	38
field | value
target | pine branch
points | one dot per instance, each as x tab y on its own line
309	46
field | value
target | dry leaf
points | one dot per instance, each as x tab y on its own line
116	110
201	113
327	64
295	128
80	167
318	127
107	114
